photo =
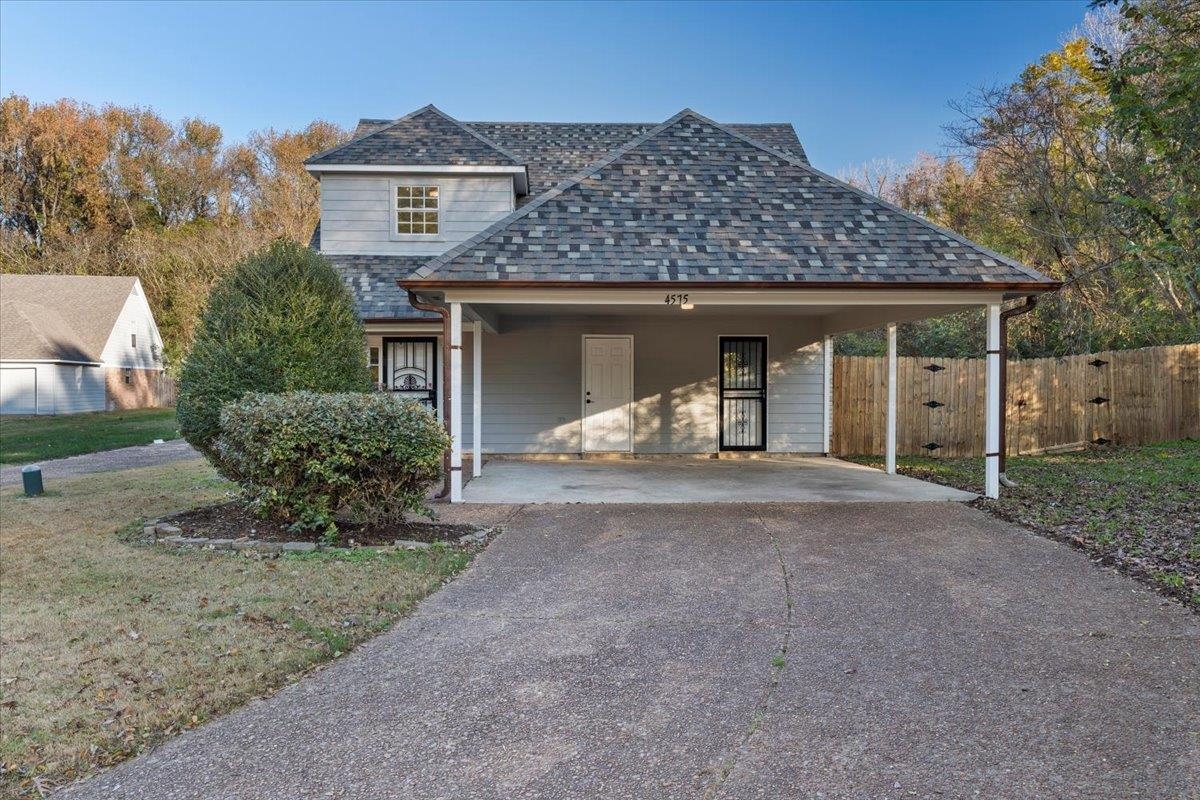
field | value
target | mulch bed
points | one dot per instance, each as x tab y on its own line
234	520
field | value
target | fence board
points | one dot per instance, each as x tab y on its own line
1153	394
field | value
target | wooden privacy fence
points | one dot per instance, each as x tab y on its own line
1118	396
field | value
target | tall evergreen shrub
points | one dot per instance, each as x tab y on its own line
281	321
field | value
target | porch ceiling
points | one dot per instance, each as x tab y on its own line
830	319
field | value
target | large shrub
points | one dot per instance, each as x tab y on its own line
303	457
281	321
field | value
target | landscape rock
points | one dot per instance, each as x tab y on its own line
167	529
220	544
299	547
411	544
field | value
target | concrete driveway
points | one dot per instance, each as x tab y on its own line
736	651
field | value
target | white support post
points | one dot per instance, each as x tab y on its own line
456	427
477	398
991	448
827	427
891	399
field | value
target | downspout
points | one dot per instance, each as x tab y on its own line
1015	311
444	313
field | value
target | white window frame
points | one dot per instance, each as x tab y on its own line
394	209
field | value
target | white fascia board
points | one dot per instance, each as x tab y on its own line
7	361
449	169
724	297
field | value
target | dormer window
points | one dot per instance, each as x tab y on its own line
417	210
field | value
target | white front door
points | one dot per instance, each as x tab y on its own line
607	394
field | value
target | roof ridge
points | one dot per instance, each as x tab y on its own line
428	108
436	263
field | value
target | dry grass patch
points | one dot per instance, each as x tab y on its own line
110	646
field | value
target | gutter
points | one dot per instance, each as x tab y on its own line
1024	287
1005	316
444	313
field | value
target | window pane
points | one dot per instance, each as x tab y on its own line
403	191
404	227
431	227
431	191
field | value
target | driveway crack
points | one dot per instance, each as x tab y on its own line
778	665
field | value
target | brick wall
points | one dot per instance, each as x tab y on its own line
134	388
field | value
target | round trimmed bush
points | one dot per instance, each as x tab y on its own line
281	321
304	457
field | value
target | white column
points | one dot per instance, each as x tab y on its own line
477	398
991	446
891	399
456	426
827	428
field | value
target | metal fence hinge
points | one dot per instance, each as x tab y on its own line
1098	400
933	404
1097	362
931	446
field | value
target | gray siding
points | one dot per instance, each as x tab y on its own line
532	379
357	212
66	388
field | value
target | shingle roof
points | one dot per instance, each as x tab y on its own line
694	201
59	317
554	151
427	136
372	282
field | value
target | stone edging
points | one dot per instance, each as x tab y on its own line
164	533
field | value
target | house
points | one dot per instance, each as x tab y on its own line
71	343
590	289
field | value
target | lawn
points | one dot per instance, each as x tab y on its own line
24	440
108	646
1134	508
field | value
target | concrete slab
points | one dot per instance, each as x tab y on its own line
765	480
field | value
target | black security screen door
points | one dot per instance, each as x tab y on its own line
410	369
743	393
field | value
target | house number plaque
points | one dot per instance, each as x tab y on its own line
676	299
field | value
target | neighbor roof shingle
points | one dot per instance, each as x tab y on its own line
695	201
59	317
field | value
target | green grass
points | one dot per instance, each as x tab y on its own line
27	439
109	647
1135	508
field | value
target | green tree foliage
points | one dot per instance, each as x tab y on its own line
304	457
1154	86
281	321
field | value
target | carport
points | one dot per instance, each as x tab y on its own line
690	480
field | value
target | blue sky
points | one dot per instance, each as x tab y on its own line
858	80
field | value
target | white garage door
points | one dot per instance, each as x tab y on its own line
18	390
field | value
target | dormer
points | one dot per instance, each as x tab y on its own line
417	186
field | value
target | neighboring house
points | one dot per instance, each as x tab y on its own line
629	288
71	343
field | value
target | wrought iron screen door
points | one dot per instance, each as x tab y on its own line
743	393
410	369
